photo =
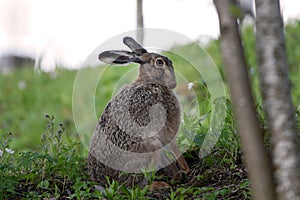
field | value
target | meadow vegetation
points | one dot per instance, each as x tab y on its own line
42	157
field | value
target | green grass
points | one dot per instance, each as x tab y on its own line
55	171
43	157
27	96
58	170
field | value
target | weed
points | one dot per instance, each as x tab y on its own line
54	172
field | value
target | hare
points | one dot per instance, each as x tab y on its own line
142	118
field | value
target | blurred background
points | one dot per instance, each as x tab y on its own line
42	42
65	32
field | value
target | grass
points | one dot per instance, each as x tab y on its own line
27	96
42	156
58	171
54	172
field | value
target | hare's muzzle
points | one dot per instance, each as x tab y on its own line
171	84
169	78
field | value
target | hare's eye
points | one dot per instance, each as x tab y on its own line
159	62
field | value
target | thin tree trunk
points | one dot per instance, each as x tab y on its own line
275	88
140	21
251	136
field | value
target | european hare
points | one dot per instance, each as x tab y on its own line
143	117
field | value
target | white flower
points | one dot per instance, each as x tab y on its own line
190	85
10	151
1	153
22	85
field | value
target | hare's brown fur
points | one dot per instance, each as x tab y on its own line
134	101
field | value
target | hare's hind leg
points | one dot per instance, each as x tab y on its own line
181	161
160	159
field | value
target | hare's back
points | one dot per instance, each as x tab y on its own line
127	117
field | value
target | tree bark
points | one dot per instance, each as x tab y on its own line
251	136
277	101
140	22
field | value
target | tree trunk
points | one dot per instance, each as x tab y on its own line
251	136
140	22
277	101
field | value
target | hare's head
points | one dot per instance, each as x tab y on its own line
153	67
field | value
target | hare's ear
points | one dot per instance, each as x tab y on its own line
119	57
134	45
